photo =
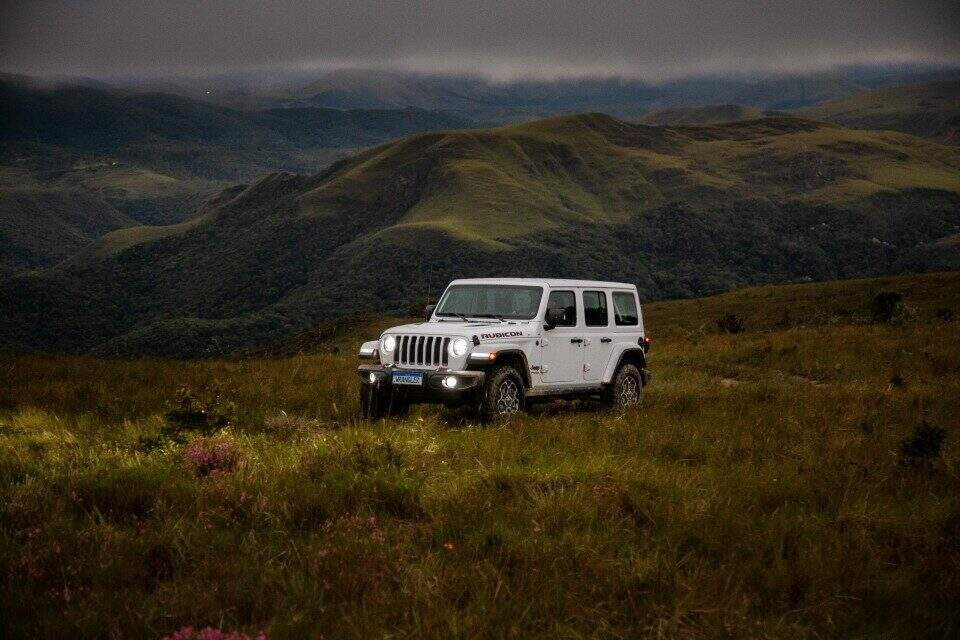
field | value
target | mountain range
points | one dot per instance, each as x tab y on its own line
77	161
490	102
679	210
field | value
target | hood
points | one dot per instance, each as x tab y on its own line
486	331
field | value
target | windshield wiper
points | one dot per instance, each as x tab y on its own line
447	314
495	316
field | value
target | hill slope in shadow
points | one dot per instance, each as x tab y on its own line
681	211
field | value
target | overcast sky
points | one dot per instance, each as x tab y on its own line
503	40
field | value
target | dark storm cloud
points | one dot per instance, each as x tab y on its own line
501	39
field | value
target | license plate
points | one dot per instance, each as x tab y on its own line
408	377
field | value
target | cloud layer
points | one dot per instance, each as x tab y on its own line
519	38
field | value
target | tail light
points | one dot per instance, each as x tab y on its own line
645	343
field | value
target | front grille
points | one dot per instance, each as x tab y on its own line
422	351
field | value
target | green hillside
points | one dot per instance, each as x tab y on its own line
930	110
41	227
53	202
706	114
681	211
110	159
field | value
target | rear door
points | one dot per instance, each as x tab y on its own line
560	356
597	338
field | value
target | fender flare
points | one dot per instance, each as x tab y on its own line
629	352
507	350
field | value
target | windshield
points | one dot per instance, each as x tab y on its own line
490	301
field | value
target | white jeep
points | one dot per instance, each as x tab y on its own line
500	343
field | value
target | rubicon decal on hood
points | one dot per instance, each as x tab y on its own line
502	334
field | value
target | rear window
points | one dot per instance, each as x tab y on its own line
595	308
625	309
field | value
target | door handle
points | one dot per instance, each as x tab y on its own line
606	339
576	340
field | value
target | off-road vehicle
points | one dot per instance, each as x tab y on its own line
501	343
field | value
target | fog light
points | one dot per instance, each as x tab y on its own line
373	379
450	382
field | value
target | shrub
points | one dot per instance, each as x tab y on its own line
886	305
944	314
785	320
896	380
206	413
730	323
205	456
922	449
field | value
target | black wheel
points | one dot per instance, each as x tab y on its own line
502	394
626	389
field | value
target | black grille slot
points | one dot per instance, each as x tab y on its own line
428	351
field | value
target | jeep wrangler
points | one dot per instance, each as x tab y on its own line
499	344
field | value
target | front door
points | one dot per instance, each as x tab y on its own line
560	355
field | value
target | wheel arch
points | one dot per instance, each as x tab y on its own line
630	355
514	357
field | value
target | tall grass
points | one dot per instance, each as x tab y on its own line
757	492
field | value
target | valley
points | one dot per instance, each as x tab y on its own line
681	211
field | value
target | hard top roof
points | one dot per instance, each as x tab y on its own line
552	283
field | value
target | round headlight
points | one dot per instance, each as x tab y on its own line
458	347
388	344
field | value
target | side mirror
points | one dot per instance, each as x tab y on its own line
428	311
554	317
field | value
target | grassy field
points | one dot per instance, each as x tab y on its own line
761	490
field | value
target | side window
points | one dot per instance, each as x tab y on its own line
625	309
567	301
595	308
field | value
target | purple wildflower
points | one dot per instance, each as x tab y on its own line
210	633
207	455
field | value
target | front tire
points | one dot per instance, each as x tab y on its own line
502	394
626	389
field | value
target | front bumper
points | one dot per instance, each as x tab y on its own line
432	389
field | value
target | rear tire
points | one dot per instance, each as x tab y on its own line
502	394
626	388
